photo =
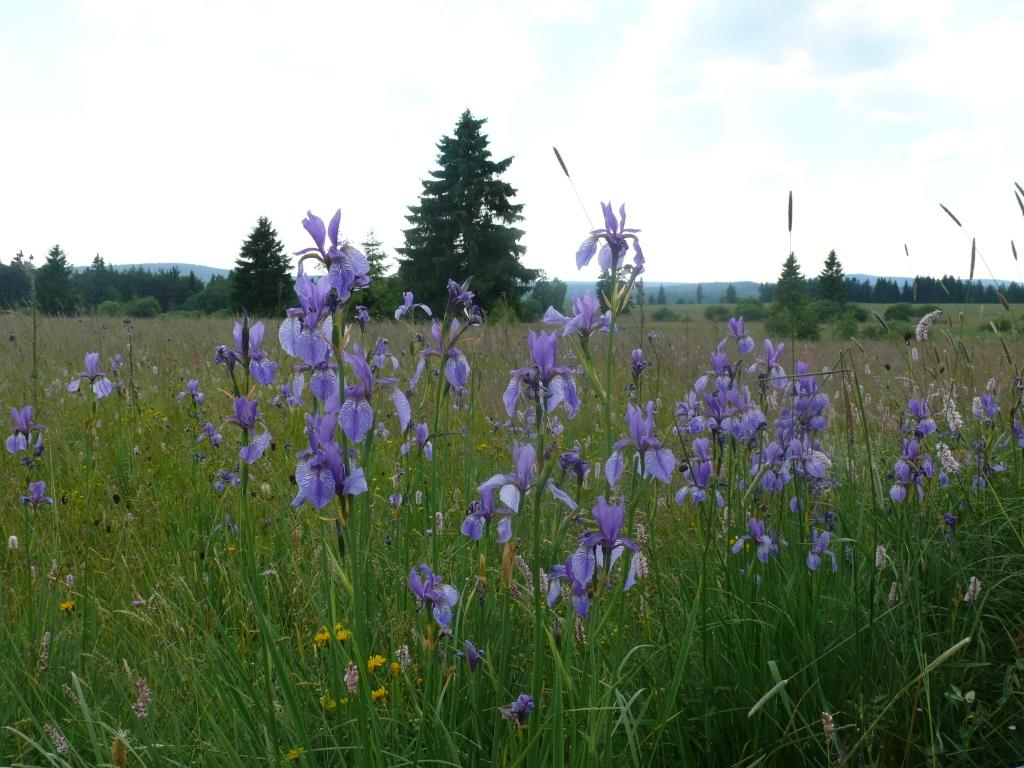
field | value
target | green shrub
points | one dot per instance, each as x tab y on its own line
530	310
664	313
717	312
750	310
145	306
110	309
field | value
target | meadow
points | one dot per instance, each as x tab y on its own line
811	560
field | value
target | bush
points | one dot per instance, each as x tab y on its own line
750	310
530	310
859	313
908	311
664	313
717	312
146	306
844	326
110	309
783	323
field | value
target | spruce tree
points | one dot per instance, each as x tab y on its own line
790	314
700	293
262	280
832	281
54	291
730	295
661	297
463	226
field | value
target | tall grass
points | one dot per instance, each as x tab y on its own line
713	659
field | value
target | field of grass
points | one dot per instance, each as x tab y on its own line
147	618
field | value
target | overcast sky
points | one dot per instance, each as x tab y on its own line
149	131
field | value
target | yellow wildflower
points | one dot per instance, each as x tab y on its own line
294	753
322	637
379	694
395	668
327	701
67	606
232	549
341	633
375	663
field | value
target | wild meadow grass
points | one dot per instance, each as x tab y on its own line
147	618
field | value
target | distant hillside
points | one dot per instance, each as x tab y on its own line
203	273
714	292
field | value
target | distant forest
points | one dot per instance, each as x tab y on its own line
148	291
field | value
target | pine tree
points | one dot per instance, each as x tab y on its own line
790	314
462	226
661	297
700	293
832	281
730	295
262	281
54	291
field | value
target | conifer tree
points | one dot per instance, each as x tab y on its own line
463	226
832	281
262	281
384	294
661	297
54	291
790	314
730	295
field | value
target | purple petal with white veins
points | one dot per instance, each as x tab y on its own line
356	418
102	387
613	468
586	252
660	463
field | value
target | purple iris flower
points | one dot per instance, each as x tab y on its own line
608	539
261	367
456	366
738	330
224	478
101	385
519	710
616	239
639	363
116	362
577	572
571	461
586	319
291	394
1018	433
480	512
22	429
321	474
356	414
776	474
984	407
381	356
512	487
36	495
918	409
429	590
699	476
770	365
767	544
473	656
658	462
421	440
347	268
819	547
305	331
911	469
545	378
247	416
409	304
210	433
460	297
191	390
362	316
